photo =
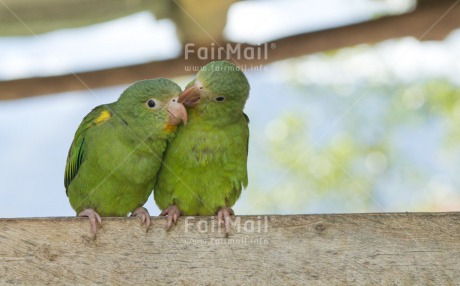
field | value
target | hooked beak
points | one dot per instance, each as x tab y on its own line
177	113
190	97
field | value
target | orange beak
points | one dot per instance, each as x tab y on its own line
177	113
190	97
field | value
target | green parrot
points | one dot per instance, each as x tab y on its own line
117	151
205	167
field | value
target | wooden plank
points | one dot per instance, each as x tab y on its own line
31	17
339	249
23	17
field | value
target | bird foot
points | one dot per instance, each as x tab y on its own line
94	219
223	217
173	213
144	215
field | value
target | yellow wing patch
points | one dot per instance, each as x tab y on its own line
104	116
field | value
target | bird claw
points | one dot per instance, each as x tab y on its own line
94	219
144	215
223	217
173	213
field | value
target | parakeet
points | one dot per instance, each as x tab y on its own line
205	167
115	156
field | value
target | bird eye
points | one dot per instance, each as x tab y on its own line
220	98
151	103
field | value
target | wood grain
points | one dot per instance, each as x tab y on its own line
350	249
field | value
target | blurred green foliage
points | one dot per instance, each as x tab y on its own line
378	147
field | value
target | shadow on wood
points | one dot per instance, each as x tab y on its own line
357	249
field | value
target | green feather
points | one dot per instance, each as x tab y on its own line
76	152
117	150
205	167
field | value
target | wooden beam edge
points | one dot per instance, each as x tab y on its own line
319	249
278	216
430	21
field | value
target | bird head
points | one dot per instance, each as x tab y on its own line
152	103
219	90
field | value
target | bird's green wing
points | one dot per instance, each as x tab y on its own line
247	144
78	150
245	180
246	117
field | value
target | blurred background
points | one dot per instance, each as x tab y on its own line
354	105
